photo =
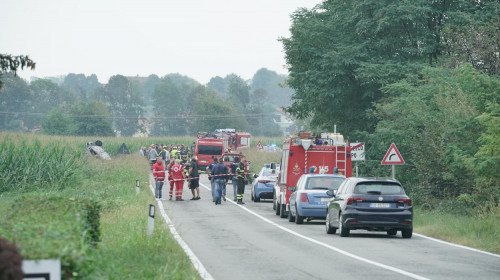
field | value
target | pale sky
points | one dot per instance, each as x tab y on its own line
200	39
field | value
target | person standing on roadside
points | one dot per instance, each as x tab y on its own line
194	179
210	167
233	166
159	176
220	173
240	171
177	174
153	154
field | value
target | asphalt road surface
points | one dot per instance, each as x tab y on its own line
250	242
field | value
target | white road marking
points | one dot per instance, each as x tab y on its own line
457	245
387	267
194	259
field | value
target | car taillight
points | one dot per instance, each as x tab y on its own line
404	200
350	200
303	197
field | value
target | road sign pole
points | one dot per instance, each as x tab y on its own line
394	171
356	169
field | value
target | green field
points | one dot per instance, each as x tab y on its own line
40	168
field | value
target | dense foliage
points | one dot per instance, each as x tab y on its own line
173	105
422	74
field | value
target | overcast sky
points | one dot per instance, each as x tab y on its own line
200	39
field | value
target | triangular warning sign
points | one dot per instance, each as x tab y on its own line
393	156
259	145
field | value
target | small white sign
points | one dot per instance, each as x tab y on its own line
357	151
42	269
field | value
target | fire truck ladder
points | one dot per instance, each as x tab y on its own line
341	163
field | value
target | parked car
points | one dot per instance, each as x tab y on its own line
309	197
263	185
374	204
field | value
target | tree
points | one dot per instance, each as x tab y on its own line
48	95
124	102
277	93
91	119
436	126
9	63
56	122
217	113
341	53
15	104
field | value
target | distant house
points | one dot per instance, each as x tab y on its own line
285	121
138	78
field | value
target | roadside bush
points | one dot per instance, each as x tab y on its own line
54	228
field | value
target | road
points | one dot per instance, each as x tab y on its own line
250	242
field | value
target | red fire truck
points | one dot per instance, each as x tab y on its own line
304	154
234	139
207	147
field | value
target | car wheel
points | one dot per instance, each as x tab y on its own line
251	196
291	218
298	218
277	210
283	211
407	233
255	198
329	228
392	232
344	232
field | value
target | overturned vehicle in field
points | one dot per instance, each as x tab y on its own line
97	150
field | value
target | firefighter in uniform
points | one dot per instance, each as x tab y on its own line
240	171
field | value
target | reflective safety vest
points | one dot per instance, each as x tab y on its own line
241	173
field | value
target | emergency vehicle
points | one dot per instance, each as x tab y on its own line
228	158
304	154
234	139
207	147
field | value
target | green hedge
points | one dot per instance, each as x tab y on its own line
54	228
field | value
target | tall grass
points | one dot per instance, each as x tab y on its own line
57	167
26	164
482	232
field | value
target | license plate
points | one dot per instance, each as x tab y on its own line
325	199
380	205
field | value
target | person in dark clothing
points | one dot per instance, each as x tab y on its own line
210	167
240	171
194	179
220	175
233	167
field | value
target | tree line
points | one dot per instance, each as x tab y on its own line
173	105
422	74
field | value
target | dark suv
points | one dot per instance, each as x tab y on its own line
374	204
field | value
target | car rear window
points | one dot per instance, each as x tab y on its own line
269	172
378	188
325	183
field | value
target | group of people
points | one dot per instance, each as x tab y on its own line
219	176
169	165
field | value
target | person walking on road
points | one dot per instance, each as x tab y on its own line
234	166
177	174
220	173
210	167
153	155
240	170
159	176
194	179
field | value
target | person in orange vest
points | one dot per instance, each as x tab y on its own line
178	175
159	176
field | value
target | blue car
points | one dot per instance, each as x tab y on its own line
263	185
309	198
